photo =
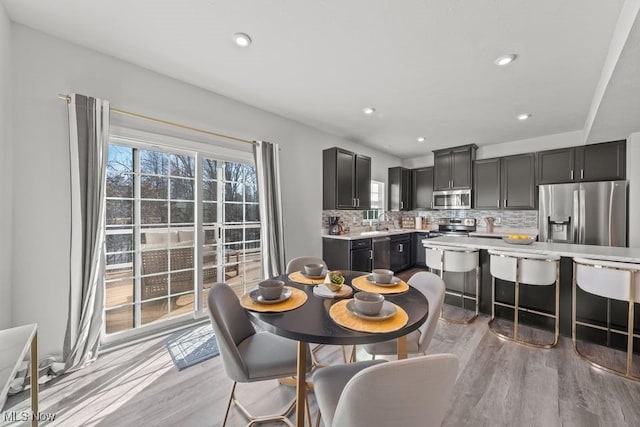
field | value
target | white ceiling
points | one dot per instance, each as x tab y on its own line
426	66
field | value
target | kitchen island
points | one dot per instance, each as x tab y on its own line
589	307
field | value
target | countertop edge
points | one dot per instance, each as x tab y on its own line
606	253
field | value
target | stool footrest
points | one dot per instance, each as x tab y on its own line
519	341
527	310
461	295
604	328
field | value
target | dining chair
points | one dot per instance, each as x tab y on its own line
408	392
433	288
297	264
248	355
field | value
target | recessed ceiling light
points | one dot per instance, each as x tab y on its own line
505	60
369	110
524	116
421	139
242	39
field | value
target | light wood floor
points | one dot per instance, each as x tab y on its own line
500	384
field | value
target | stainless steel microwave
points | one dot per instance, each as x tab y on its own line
452	199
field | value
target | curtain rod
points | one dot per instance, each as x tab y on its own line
67	98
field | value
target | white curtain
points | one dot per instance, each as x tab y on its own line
88	143
271	219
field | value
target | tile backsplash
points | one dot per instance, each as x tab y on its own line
508	218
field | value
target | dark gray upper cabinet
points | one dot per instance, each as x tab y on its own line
422	196
519	181
442	170
594	162
363	182
399	189
505	183
556	166
453	167
601	162
346	180
487	184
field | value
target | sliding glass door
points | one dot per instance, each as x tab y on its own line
176	222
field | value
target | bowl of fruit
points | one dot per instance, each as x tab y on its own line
519	239
334	280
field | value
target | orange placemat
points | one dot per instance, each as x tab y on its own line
364	284
345	318
298	277
297	298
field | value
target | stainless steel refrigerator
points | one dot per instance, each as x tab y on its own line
589	213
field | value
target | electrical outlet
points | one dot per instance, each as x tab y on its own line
498	220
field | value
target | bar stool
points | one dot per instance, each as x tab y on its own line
527	269
614	280
455	260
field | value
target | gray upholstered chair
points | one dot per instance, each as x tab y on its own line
409	392
298	264
433	289
247	355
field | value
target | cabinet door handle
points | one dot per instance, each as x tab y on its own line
581	173
401	205
400	248
370	254
498	202
571	174
505	203
358	202
353	202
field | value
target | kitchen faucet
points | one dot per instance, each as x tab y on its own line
383	214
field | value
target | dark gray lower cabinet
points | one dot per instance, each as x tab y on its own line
347	254
400	252
419	255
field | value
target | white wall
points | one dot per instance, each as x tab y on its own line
547	142
633	176
6	174
45	66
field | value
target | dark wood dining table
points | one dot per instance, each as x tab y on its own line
311	323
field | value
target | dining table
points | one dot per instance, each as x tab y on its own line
312	323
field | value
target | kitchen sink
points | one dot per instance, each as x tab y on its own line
373	233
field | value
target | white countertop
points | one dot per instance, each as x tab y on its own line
372	234
562	249
499	232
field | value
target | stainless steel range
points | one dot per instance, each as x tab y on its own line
454	227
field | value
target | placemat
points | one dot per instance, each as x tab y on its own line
297	298
364	284
298	277
343	317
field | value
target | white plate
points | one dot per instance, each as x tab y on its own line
324	291
519	241
257	297
388	310
394	281
321	276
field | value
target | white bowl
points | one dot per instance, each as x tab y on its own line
382	276
369	303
